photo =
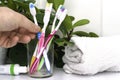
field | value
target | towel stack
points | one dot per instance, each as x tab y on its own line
92	55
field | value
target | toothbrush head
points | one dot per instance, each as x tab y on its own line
49	6
62	8
58	10
48	11
32	9
62	13
31	5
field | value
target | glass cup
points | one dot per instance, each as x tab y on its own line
42	67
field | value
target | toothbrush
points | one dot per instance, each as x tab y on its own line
46	60
47	48
46	18
53	26
56	15
61	18
33	13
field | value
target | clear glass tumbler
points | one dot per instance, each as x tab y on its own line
42	67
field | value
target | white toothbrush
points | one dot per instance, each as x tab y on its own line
46	19
58	14
33	12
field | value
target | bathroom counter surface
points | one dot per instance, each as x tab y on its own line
59	74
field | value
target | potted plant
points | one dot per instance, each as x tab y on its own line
17	54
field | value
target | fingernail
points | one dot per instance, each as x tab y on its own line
38	29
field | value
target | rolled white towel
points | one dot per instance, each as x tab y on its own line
72	55
98	54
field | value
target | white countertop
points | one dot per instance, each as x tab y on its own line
59	74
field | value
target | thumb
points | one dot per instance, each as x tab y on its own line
29	25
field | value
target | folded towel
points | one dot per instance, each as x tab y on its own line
92	55
72	55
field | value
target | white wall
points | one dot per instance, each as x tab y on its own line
86	9
111	17
104	15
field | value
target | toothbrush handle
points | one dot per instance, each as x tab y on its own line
35	20
50	36
34	65
41	63
41	42
47	63
46	43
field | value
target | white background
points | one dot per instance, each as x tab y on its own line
104	15
111	17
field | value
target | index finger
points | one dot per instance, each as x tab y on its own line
29	25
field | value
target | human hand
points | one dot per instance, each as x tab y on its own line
15	28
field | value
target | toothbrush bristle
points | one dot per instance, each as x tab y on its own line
32	9
62	8
63	14
31	5
47	4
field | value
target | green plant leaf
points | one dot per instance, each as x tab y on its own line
11	4
81	22
60	42
40	17
50	1
2	3
93	34
56	3
67	23
26	1
63	30
21	4
72	18
58	56
18	54
80	33
58	62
